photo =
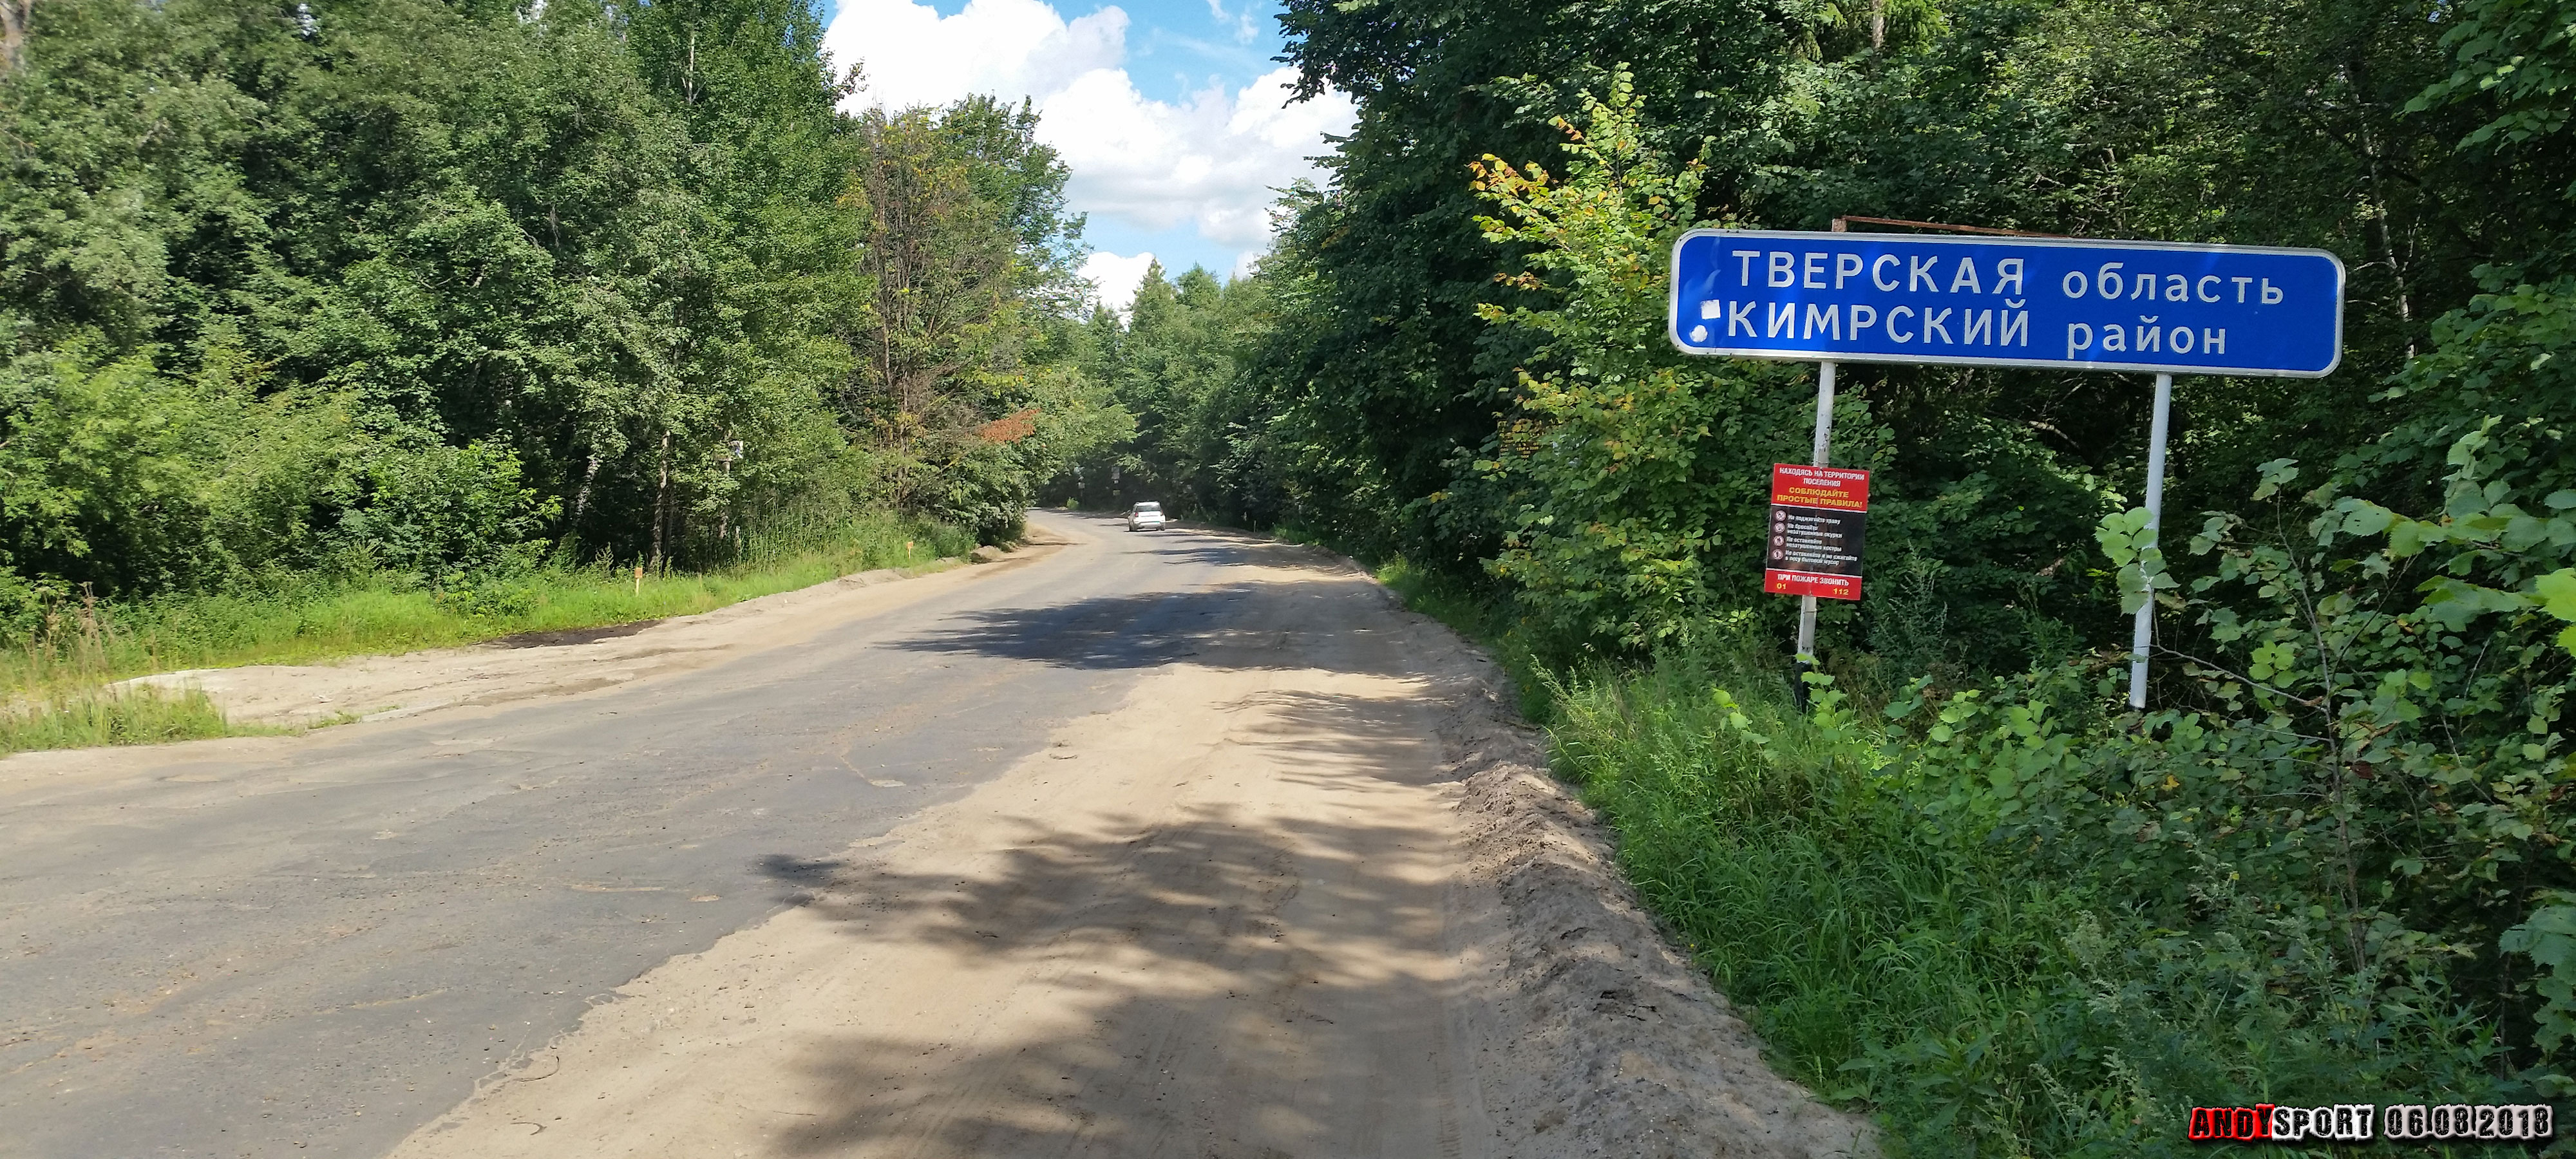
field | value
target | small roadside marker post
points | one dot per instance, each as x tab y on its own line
2005	299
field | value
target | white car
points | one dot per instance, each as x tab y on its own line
1145	517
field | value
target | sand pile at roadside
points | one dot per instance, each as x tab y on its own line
1635	1053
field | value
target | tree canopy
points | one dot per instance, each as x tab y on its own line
378	284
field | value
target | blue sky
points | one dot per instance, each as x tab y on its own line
1175	48
1171	113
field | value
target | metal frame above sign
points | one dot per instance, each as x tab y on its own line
2018	302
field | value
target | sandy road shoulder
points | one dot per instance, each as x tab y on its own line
1327	904
558	663
393	687
1632	1051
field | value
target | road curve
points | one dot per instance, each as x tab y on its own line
321	949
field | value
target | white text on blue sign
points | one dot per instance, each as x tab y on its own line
2036	302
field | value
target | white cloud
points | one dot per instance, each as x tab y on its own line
914	56
1116	278
1212	160
1245	27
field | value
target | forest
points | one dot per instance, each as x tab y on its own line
451	293
431	298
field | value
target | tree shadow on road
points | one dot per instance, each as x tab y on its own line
1239	626
1218	980
1189	1011
1222	546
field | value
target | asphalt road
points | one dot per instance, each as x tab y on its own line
315	954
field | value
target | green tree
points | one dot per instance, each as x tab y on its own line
257	268
968	256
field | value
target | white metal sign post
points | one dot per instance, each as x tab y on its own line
2143	632
1824	452
2160	308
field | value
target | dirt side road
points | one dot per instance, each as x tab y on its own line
540	664
1191	844
1303	892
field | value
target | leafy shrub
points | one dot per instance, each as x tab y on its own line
2341	852
984	490
100	472
486	596
23	604
446	513
1626	468
2027	921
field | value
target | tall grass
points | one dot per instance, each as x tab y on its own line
1768	841
1975	1004
51	693
302	618
94	717
1979	1005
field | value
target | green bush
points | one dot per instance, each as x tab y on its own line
100	472
2024	920
446	514
984	490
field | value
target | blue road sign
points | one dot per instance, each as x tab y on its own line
2157	307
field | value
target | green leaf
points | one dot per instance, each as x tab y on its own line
2557	592
2364	517
2548	938
2276	474
2409	537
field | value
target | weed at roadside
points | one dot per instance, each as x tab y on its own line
90	718
301	619
1476	616
1979	997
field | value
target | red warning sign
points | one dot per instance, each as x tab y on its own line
1834	487
1818	518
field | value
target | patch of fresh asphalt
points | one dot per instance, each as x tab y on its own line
315	955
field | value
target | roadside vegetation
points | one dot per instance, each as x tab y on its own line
2037	939
87	717
56	674
309	618
386	324
1970	891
